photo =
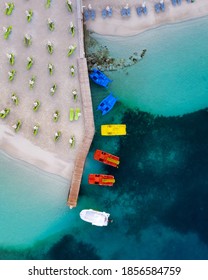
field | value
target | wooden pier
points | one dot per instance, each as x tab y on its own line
87	114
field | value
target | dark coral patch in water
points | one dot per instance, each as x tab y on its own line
70	249
164	171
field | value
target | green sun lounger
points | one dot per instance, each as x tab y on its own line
36	129
4	113
9	8
7	32
15	99
71	114
17	126
72	141
57	136
77	114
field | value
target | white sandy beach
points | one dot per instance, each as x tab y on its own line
127	26
40	150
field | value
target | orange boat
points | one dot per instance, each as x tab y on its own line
106	158
101	179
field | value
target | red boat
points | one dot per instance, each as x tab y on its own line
106	158
101	179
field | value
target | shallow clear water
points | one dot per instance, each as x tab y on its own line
159	202
171	79
31	203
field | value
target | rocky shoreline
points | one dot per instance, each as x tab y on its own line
99	57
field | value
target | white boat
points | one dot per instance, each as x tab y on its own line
96	218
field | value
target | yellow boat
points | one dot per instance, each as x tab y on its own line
113	129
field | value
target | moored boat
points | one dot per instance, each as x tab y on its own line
101	179
96	218
106	158
100	78
113	129
107	104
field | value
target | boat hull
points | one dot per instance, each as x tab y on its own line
100	78
101	179
106	158
113	129
107	104
96	218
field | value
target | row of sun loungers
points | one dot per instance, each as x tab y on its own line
89	13
176	2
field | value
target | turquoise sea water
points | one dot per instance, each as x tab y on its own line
159	202
172	78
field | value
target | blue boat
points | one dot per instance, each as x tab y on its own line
107	104
100	78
